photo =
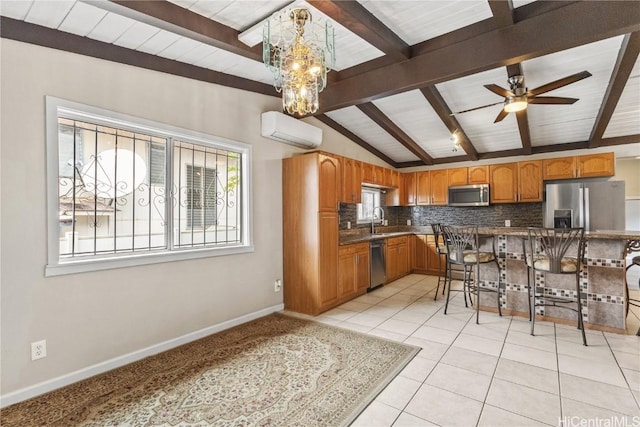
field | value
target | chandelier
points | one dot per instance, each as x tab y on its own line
299	53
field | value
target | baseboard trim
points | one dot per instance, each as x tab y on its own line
63	380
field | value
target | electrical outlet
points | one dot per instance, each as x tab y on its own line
507	223
348	225
408	222
277	285
38	349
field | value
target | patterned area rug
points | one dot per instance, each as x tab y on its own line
274	371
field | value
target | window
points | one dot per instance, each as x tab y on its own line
370	200
124	191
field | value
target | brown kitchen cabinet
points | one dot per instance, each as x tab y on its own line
418	252
478	175
530	181
351	181
311	190
458	176
593	165
423	188
432	256
503	181
353	270
397	257
439	187
410	189
559	168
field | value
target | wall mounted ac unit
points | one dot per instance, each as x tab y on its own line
289	130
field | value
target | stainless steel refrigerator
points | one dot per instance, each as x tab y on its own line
598	205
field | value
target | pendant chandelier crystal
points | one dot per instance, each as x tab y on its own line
299	53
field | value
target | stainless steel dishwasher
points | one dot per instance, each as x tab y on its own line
378	265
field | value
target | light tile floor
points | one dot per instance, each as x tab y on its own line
494	373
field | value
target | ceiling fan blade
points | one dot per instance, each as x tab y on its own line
477	108
559	83
550	100
501	116
499	90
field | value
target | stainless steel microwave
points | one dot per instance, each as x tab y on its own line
469	195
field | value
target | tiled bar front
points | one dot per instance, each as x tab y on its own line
602	283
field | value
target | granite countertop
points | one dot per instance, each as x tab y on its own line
362	235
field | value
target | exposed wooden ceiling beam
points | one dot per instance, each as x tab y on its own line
444	112
502	11
179	20
559	29
521	116
360	21
48	37
620	140
355	138
388	125
627	57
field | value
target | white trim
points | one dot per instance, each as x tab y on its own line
135	259
75	110
81	374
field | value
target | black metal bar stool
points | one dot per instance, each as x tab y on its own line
632	246
441	250
554	251
463	248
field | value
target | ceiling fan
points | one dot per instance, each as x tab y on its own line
518	97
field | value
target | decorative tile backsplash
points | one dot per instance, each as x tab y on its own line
520	215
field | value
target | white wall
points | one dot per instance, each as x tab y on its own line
94	317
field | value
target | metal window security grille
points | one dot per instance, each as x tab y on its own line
207	189
106	203
125	191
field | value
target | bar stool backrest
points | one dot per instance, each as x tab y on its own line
461	240
556	250
439	237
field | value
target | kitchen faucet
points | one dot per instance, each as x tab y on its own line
373	218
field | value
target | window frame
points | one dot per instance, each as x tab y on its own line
377	195
57	266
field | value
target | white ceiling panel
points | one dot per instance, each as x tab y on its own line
245	13
110	28
415	21
245	67
159	42
180	47
518	3
49	13
82	19
16	9
559	124
198	53
136	35
626	116
414	115
361	125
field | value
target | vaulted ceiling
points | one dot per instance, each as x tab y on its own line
402	67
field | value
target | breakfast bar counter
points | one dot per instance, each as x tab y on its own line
602	281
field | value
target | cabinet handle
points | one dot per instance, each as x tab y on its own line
357	259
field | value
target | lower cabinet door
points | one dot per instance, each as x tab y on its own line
363	270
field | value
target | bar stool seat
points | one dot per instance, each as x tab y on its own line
473	257
543	263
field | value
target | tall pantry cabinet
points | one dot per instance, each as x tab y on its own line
311	190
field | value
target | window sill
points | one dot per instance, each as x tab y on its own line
129	260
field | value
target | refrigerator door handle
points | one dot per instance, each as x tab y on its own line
581	198
587	205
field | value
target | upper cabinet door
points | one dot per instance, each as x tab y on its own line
330	178
478	174
596	165
368	173
351	180
560	168
503	183
530	181
457	176
423	188
410	189
439	187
